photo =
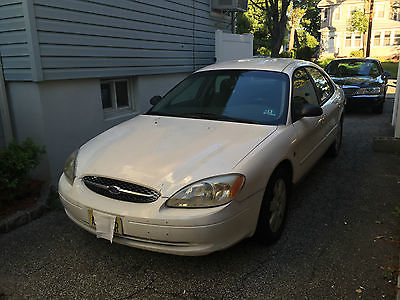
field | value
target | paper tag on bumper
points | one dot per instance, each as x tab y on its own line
104	225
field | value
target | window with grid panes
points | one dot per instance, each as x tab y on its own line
348	40
357	40
116	96
396	38
377	39
386	41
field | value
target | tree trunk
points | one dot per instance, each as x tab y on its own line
291	38
277	36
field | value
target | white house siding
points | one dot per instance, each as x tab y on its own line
14	49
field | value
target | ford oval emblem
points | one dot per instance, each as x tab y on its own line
115	190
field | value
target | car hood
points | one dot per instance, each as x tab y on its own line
168	153
361	81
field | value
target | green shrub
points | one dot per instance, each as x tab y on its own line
288	54
263	51
305	53
15	163
358	53
324	62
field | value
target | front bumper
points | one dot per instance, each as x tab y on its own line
155	227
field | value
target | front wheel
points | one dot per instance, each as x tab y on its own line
272	214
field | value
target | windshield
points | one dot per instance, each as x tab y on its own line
352	68
258	97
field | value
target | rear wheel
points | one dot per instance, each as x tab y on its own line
272	214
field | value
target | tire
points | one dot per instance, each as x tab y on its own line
272	216
378	109
334	149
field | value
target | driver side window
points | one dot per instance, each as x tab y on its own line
303	92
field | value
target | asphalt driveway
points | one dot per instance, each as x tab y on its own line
340	243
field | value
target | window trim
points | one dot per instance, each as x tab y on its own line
321	103
376	11
337	13
116	111
384	38
292	116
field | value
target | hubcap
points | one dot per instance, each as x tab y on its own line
278	205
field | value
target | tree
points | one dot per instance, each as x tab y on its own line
253	21
296	15
358	23
275	17
311	21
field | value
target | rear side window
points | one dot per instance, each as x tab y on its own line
324	88
303	92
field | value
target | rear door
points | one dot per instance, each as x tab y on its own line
309	132
330	102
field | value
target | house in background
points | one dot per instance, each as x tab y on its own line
337	40
76	68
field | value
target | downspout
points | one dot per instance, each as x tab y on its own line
4	109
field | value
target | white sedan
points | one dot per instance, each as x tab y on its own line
211	163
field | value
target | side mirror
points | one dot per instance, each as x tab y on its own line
154	100
310	110
386	75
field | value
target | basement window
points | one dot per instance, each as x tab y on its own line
116	96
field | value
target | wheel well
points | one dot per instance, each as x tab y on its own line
287	166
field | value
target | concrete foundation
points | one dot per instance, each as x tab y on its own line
63	114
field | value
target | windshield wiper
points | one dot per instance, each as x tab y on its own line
213	116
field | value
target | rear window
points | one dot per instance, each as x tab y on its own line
352	68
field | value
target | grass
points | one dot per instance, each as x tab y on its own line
391	67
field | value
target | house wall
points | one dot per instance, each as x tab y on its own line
333	40
64	114
14	49
55	54
100	38
2	140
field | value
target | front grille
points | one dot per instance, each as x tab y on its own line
120	190
350	91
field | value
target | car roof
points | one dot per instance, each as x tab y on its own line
265	64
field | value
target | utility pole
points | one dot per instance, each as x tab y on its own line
371	16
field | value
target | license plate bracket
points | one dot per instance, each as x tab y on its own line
118	229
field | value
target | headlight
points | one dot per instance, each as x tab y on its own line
209	192
69	167
370	91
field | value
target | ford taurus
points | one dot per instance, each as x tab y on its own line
211	163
